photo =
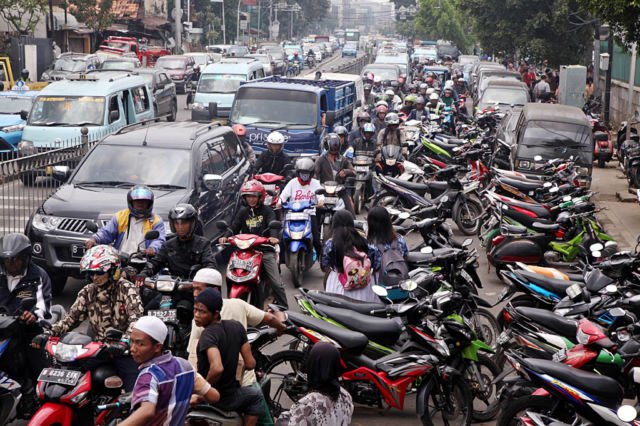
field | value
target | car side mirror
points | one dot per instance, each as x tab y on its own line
213	110
114	116
24	114
151	235
212	182
358	103
60	173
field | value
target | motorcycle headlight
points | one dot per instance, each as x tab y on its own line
390	161
27	148
197	106
45	223
524	164
165	286
297	235
14	128
68	353
244	244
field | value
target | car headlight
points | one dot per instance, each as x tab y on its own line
27	148
14	128
197	106
45	223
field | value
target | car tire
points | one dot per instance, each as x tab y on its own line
173	111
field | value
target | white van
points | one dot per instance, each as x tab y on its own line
218	85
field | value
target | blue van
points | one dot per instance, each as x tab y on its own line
14	110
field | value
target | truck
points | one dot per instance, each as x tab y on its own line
303	110
148	55
7	76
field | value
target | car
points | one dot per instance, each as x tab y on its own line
237	51
120	63
179	68
486	75
389	72
350	49
70	63
14	110
277	55
164	92
266	60
181	162
504	94
202	59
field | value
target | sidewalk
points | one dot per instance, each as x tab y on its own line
621	217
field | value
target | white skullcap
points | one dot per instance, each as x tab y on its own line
152	326
208	276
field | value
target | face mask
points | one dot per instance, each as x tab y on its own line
305	176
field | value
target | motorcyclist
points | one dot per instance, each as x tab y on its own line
423	89
390	161
365	143
381	113
391	134
304	188
332	166
361	119
343	134
435	106
409	102
431	82
419	112
449	85
127	228
109	301
368	95
392	99
273	160
254	218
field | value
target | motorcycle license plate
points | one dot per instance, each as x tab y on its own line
503	338
165	314
77	251
560	356
247	265
362	168
59	377
331	200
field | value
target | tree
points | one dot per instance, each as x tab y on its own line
23	15
535	28
621	15
438	19
95	14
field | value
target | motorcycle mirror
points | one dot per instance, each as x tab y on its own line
467	242
404	215
113	334
596	254
380	291
221	224
537	158
547	185
426	250
611	288
596	247
566	198
91	226
627	413
408	285
151	235
554	190
617	312
574	291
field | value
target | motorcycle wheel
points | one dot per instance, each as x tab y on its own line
459	404
485	403
467	216
486	326
537	404
602	163
358	201
284	381
297	267
635	177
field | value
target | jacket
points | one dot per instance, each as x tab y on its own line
395	138
421	115
115	230
180	256
268	162
113	306
324	169
35	283
253	221
361	146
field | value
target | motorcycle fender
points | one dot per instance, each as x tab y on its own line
471	351
51	413
237	291
295	246
518	250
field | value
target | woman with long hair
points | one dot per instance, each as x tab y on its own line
392	247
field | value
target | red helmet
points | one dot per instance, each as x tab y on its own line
255	188
239	130
382	108
429	80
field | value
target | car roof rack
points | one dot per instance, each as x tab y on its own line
204	129
133	126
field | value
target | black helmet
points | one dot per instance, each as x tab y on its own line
140	192
395	84
304	168
183	211
15	245
24	74
341	131
331	141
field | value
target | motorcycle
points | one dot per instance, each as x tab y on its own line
273	184
243	275
363	165
298	238
603	144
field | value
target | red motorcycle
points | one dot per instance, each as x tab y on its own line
243	275
603	144
81	380
273	185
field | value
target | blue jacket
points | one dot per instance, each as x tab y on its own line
115	230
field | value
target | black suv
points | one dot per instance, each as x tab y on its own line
181	162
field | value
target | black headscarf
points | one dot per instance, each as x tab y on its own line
345	237
323	369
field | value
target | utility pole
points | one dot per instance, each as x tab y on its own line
178	26
632	85
607	84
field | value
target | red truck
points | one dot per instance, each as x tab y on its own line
122	45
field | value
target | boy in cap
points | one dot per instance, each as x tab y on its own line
165	384
220	346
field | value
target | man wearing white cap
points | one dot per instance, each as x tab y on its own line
165	383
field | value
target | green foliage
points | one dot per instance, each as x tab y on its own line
442	19
622	15
96	15
535	28
23	15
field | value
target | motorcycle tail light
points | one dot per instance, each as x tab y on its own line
497	240
603	144
113	382
507	316
560	234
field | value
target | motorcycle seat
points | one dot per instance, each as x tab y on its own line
545	227
539	209
380	330
558	287
350	340
440	253
450	139
446	145
514	229
420	188
340	301
553	322
604	388
522	184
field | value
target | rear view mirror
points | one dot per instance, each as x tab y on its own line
329	118
113	334
221	224
151	235
408	285
467	242
276	225
380	291
553	190
60	173
547	185
114	116
212	182
617	312
596	247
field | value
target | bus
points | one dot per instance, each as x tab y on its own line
321	38
352	35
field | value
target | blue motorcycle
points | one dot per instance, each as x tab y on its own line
298	239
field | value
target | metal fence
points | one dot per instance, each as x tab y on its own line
351	67
25	182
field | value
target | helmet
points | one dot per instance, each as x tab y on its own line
331	141
424	86
370	76
15	245
140	192
395	84
183	211
341	131
392	119
429	79
434	97
382	108
239	130
389	92
420	100
24	74
304	168
410	98
369	128
448	84
431	91
275	138
448	90
383	103
255	188
391	154
363	116
101	258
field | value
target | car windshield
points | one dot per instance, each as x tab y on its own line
553	139
220	83
118	65
137	165
171	64
274	108
384	73
504	96
70	64
13	105
485	81
351	46
464	60
67	111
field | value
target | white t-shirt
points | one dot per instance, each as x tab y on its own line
294	191
134	236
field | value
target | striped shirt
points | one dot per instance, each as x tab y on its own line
167	382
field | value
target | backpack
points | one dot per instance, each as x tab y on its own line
356	269
393	267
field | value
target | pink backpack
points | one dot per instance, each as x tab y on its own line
356	271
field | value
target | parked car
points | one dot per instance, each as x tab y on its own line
14	110
164	92
179	68
183	163
202	59
350	49
267	62
120	63
237	51
505	94
70	63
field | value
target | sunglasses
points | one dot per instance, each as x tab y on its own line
96	273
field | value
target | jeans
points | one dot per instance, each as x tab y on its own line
272	271
245	400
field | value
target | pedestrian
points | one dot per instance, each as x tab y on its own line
542	88
392	247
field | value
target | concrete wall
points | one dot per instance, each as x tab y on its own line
619	98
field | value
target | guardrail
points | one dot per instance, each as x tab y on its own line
351	67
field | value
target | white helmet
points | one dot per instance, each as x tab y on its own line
434	97
448	84
276	138
389	92
431	91
377	79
